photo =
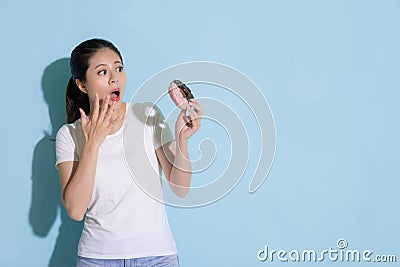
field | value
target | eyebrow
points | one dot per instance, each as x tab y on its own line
103	64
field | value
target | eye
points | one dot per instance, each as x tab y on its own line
102	72
120	69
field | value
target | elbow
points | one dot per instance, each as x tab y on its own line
180	187
182	192
74	213
76	216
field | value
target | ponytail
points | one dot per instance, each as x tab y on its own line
75	99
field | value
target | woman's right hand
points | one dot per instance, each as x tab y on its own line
100	123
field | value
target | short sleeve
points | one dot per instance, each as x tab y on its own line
162	132
65	146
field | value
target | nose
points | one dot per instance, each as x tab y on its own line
113	79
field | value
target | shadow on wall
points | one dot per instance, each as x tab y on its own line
46	192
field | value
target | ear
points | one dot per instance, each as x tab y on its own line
81	86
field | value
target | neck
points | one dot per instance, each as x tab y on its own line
121	110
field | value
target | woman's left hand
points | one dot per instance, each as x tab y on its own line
186	126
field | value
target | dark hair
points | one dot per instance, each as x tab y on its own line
79	64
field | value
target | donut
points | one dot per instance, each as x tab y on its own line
179	93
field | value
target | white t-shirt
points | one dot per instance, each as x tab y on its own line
122	221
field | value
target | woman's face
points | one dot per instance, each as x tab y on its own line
105	76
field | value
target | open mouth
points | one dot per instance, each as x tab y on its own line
114	95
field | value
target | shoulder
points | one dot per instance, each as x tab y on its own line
69	128
143	107
145	111
69	131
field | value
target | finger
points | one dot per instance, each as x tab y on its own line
188	121
95	114
194	114
182	113
110	110
83	118
184	105
115	121
186	118
195	119
195	101
196	106
104	107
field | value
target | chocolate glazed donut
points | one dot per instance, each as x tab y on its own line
176	89
185	91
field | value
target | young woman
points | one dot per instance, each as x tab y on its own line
123	225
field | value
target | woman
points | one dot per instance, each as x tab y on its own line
123	226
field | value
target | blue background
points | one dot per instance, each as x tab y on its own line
329	70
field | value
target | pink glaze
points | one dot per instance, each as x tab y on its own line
175	94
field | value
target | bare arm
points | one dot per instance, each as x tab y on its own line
77	178
174	156
176	166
